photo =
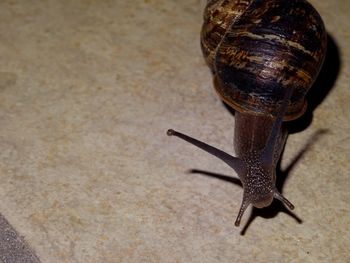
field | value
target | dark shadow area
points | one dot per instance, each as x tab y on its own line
269	212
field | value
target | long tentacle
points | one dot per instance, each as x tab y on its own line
235	163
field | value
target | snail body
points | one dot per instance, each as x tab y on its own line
264	55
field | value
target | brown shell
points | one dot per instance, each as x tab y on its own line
259	48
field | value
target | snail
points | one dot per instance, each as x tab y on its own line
264	56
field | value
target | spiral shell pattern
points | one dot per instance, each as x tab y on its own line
259	48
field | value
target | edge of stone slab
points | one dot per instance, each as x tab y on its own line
13	247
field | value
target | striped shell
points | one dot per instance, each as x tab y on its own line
259	48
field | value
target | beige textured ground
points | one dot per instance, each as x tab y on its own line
87	174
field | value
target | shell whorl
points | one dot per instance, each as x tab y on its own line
259	48
218	16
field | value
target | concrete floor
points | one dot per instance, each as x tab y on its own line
87	173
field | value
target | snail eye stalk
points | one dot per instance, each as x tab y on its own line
235	163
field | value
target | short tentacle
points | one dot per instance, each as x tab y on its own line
244	206
284	200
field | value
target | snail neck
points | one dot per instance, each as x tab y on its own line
251	133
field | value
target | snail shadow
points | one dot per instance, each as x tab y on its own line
319	90
276	206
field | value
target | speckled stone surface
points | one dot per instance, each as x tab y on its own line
87	173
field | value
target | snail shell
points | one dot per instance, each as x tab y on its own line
259	48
